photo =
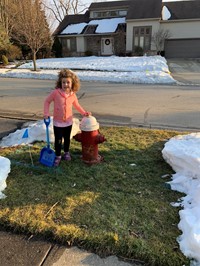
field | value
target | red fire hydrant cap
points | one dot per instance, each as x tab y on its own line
89	123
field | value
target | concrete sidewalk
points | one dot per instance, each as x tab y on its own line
20	250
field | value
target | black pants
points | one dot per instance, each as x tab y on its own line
59	134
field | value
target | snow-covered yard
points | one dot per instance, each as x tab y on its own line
132	70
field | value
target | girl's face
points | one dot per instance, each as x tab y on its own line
66	84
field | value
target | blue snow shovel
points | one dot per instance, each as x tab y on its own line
47	155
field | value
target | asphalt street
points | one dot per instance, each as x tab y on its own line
148	106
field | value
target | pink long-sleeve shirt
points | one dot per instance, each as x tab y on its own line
63	103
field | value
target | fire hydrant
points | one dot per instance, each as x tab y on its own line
90	137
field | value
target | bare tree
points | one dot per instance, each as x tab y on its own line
29	25
158	39
60	8
4	39
4	16
3	3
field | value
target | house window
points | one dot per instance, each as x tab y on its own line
111	13
121	27
141	31
90	29
73	44
122	12
147	31
136	41
99	14
142	37
69	44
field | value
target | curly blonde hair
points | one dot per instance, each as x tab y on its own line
66	73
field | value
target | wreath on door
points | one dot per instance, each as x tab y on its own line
107	41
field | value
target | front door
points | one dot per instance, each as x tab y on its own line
107	46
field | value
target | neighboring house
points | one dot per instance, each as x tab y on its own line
128	27
100	31
184	26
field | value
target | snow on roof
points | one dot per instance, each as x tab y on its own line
107	25
165	13
74	28
104	26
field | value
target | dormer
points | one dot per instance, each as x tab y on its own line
108	9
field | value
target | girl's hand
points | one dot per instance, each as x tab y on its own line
87	113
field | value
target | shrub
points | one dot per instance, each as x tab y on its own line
4	60
14	53
57	48
88	53
129	53
138	51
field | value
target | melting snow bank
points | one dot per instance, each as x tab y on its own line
182	153
147	77
33	131
4	171
104	63
128	70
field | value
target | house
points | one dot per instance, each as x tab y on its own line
100	31
133	27
184	26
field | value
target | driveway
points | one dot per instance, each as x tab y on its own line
186	71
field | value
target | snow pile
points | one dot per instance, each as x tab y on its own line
4	171
183	154
128	70
101	63
34	131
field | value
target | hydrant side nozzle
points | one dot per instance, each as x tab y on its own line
78	137
100	138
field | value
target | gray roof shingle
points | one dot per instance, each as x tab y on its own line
71	19
138	9
109	5
143	9
183	9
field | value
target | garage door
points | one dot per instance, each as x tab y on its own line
182	48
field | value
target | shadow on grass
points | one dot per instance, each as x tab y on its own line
120	206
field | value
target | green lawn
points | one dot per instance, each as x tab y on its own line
108	208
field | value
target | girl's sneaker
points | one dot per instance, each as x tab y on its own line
67	156
57	160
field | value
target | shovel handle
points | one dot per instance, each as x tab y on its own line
47	121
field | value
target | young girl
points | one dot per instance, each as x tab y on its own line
64	97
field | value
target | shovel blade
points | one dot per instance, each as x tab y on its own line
47	157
